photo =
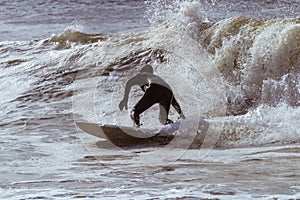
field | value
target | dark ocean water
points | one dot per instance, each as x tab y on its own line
235	63
27	20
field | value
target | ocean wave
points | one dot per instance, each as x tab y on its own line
248	51
217	69
264	125
69	37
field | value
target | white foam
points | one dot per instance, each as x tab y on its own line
263	125
181	14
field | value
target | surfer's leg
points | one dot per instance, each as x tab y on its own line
163	114
164	108
143	104
176	105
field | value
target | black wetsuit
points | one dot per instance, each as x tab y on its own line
155	93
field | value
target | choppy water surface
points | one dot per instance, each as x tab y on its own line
234	63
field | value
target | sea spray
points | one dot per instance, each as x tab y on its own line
184	16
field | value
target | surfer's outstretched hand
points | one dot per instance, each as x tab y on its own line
123	104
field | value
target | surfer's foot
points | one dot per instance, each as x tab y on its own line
169	122
135	119
137	125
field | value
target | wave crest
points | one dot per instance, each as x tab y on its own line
248	51
70	36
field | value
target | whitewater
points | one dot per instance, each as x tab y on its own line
236	64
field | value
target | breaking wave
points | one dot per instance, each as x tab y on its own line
241	70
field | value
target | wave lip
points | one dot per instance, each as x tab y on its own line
248	52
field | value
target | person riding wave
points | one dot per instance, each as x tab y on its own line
156	91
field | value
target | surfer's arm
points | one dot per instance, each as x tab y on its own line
124	101
136	80
131	82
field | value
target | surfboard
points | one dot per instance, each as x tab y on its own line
124	136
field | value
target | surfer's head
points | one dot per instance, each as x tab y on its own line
147	69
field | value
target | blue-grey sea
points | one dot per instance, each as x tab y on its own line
234	63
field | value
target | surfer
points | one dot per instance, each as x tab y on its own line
156	91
